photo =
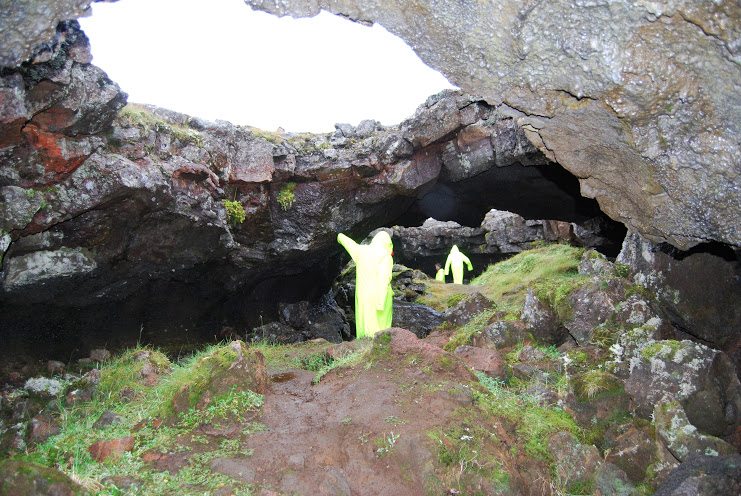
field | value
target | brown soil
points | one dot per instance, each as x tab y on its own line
324	438
365	430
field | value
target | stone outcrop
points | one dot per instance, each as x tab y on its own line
637	99
122	214
119	218
698	290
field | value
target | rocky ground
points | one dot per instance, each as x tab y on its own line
551	373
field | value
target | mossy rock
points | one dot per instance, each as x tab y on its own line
19	478
231	367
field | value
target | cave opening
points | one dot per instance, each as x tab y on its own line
180	304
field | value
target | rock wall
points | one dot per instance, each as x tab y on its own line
639	100
114	219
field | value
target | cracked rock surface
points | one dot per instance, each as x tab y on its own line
640	100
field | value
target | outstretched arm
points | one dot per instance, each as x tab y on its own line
447	264
350	245
468	261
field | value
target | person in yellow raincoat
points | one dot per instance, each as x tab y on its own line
440	274
455	262
373	293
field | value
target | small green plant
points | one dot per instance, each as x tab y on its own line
465	333
316	361
286	195
346	361
594	383
666	349
385	444
621	270
234	211
232	404
454	299
141	117
534	423
394	420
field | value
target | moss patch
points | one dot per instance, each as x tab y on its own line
666	349
138	116
551	271
533	423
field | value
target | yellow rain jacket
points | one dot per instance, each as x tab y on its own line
373	293
455	261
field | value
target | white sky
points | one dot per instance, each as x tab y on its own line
217	59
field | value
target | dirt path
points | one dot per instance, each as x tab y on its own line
357	432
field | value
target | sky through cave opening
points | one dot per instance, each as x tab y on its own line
222	60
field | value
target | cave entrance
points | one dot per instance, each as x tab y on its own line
223	60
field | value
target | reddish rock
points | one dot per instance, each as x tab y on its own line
100	355
254	164
58	154
114	448
633	451
406	343
488	361
190	176
42	428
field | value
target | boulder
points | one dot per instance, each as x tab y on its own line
697	290
681	438
111	449
231	367
633	451
467	309
24	478
416	317
701	379
501	334
41	428
575	463
542	322
610	480
591	306
704	476
489	361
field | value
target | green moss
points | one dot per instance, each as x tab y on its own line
349	360
68	451
232	404
580	488
638	290
465	450
235	212
605	335
138	116
666	349
269	136
454	299
533	423
286	195
621	270
513	356
578	357
551	271
464	334
123	373
596	384
195	376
